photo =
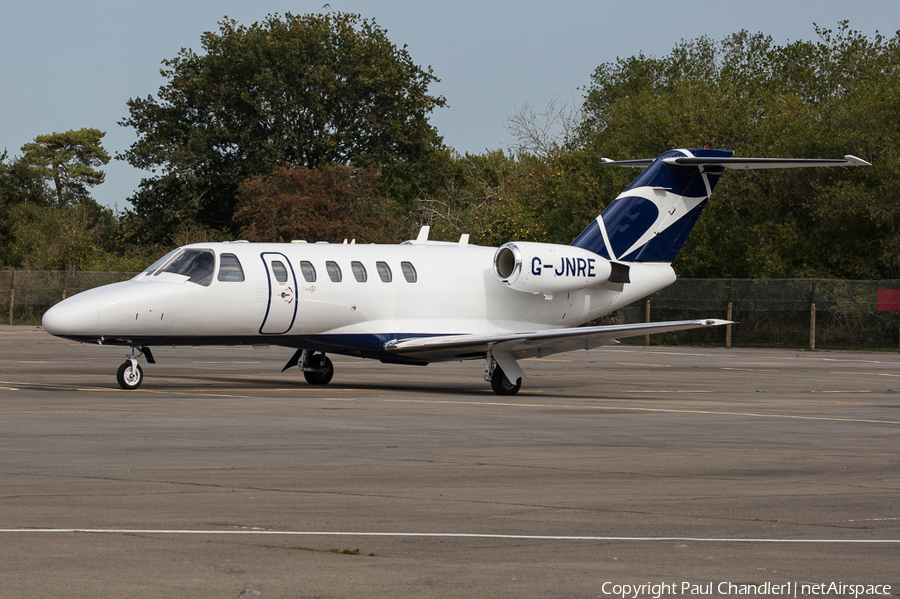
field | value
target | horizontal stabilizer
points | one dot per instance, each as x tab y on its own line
741	163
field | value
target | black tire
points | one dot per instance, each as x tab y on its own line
129	378
324	370
501	384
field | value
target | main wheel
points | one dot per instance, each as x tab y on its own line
130	377
323	372
501	384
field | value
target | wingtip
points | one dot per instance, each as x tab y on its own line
856	161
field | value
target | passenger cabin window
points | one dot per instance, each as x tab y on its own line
308	270
197	265
334	271
230	269
384	271
409	271
281	274
359	271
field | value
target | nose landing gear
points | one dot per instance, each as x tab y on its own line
130	374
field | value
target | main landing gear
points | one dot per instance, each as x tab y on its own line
500	382
130	374
317	368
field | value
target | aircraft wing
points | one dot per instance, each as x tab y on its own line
534	344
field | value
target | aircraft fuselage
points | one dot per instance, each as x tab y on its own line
292	295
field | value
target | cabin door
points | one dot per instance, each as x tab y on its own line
282	309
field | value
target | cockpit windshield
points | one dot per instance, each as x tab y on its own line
197	265
156	265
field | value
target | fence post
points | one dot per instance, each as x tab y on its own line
647	337
12	296
812	327
728	328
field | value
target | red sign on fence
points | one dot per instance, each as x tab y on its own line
889	300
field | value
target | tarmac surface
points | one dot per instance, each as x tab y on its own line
220	477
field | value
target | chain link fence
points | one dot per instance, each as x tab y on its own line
790	313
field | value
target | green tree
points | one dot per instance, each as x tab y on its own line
308	91
71	160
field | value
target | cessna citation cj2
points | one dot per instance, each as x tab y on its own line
420	301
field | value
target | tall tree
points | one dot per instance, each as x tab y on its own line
306	90
71	160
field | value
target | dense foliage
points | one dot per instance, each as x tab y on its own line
317	127
329	204
307	91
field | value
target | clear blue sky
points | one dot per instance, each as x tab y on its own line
67	65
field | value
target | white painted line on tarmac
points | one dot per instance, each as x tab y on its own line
433	535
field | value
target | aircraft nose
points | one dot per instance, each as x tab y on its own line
74	317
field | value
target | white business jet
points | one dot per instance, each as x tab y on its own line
420	301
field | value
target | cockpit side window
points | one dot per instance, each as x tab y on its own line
230	269
197	265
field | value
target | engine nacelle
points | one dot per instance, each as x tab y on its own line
549	268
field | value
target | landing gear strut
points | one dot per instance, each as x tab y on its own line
130	374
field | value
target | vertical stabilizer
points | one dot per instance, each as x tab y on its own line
651	219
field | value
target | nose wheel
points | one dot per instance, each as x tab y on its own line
130	374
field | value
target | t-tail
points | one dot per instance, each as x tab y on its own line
650	220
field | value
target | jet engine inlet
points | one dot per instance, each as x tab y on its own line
548	268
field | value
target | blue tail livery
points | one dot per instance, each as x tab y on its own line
651	219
